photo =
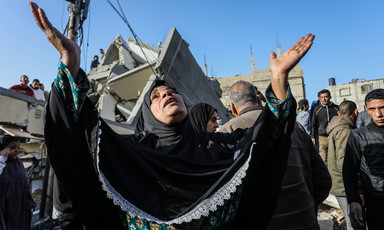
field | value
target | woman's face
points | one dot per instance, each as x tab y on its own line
167	106
13	148
212	124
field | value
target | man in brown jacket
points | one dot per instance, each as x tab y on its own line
338	131
244	103
306	181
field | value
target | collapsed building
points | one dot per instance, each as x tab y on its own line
128	69
118	86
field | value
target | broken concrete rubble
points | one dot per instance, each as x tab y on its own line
121	80
118	86
128	69
21	111
330	216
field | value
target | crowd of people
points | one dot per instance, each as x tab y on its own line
35	89
351	145
351	166
269	167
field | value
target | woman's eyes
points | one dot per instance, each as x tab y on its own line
156	95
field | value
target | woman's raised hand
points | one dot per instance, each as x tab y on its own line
67	47
280	66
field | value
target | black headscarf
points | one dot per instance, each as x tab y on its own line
5	140
173	164
15	199
164	174
199	116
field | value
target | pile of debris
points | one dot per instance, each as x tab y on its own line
330	215
128	69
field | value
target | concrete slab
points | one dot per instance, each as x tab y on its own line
179	68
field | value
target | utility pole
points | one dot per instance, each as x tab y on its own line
78	11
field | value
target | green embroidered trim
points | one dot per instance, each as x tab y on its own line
71	93
279	108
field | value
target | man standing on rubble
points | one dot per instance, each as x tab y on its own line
39	93
306	182
23	87
338	131
364	159
102	53
95	62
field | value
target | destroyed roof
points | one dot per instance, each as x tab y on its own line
128	69
121	80
21	111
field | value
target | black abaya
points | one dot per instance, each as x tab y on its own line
165	174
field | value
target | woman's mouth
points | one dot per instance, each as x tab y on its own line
170	100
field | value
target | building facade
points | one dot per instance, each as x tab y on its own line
354	91
261	78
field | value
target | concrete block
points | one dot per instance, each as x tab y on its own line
13	111
325	224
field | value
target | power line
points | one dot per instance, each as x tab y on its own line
135	36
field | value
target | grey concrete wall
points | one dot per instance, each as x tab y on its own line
261	78
354	91
22	111
180	69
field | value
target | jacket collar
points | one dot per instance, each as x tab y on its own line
375	127
250	108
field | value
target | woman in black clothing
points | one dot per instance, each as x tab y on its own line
168	176
203	118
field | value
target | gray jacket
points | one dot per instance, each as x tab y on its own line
363	119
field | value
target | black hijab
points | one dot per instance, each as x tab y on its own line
199	116
5	140
164	174
174	166
15	199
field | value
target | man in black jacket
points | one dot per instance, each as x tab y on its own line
321	117
364	156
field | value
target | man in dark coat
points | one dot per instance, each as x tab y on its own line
306	182
95	62
364	157
321	117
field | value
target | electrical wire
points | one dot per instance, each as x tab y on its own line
86	49
135	36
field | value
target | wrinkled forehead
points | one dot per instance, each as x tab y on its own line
160	88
